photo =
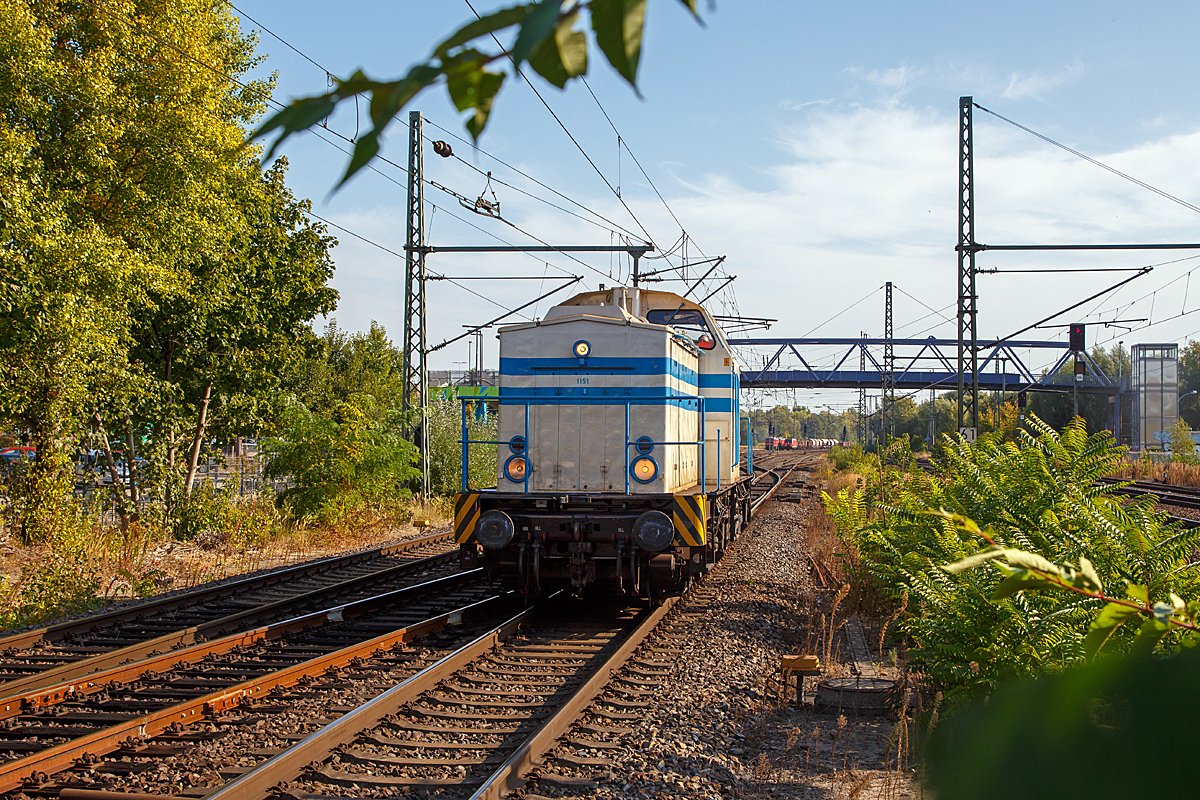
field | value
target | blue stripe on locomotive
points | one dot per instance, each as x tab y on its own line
596	364
598	396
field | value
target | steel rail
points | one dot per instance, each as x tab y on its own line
15	705
61	630
38	766
510	775
762	499
186	637
259	782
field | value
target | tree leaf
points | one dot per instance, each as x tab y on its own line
388	99
1103	626
462	81
298	116
1091	577
1026	560
535	27
562	56
365	149
572	47
1019	581
958	520
498	20
982	557
1137	593
1148	635
489	85
618	27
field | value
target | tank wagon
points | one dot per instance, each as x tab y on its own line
618	460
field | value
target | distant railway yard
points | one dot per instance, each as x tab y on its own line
393	673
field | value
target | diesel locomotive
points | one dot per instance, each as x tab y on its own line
619	454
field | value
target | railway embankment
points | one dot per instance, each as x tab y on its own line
685	702
717	725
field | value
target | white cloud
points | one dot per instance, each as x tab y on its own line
1038	83
792	105
854	197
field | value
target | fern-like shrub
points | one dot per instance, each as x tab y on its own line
1039	495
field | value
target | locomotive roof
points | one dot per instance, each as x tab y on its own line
650	298
614	304
607	304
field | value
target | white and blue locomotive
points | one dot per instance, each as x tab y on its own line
619	460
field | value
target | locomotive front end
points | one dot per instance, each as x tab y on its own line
602	451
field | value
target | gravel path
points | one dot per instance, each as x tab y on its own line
715	727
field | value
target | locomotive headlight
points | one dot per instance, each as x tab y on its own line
582	349
495	529
516	468
652	531
517	444
643	469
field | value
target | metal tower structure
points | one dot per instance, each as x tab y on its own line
416	372
968	352
862	395
888	399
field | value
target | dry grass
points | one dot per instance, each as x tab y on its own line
145	561
1175	473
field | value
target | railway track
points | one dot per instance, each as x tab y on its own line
1182	496
774	473
118	722
46	656
431	697
476	721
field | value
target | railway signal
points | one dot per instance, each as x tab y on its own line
1078	337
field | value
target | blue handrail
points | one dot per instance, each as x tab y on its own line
526	400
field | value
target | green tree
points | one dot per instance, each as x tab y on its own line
163	280
352	461
1189	381
445	454
1056	409
1183	447
215	346
342	436
117	158
341	366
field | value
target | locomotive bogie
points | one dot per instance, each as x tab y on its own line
581	540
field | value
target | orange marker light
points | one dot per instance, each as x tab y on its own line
644	470
516	469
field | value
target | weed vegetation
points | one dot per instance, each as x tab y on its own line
1012	563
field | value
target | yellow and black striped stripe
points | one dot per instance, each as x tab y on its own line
691	520
466	514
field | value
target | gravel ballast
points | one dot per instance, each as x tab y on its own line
715	727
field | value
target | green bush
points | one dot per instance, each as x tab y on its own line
355	460
206	510
850	458
445	455
1038	495
1183	448
62	581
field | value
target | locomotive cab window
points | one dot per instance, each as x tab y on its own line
688	320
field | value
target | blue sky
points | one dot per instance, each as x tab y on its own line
812	144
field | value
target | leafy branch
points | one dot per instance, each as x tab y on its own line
1029	571
546	38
